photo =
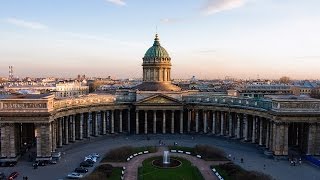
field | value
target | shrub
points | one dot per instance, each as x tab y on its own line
235	172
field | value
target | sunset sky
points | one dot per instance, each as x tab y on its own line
205	38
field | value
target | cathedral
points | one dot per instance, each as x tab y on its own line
156	106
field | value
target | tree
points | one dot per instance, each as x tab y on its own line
284	80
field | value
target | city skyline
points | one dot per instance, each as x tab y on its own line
208	39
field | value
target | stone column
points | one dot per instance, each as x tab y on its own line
181	121
222	124
238	127
267	134
164	121
245	127
81	126
54	135
197	121
96	126
137	121
120	121
274	136
189	120
285	139
129	128
154	121
213	122
112	121
8	140
94	120
66	130
43	133
260	132
311	146
172	121
73	128
104	123
205	122
88	124
230	124
145	122
60	132
253	138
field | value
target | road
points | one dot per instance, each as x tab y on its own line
253	156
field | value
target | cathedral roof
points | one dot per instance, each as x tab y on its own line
156	51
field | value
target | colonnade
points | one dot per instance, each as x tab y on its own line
167	121
277	136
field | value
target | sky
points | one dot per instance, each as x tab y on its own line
208	39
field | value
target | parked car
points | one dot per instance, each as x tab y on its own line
94	159
86	164
90	161
81	170
52	162
9	164
56	156
74	175
13	175
95	155
40	163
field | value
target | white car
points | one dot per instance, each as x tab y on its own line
74	175
95	155
94	159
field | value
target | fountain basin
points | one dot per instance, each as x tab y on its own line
159	163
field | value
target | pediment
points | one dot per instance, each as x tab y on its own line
159	99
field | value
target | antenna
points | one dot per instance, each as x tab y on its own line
156	29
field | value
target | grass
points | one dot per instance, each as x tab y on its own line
121	154
208	153
99	173
184	172
230	171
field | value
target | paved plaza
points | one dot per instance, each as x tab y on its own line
253	157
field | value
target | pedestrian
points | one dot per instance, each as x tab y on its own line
300	161
241	160
264	166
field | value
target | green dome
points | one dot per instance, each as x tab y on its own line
156	51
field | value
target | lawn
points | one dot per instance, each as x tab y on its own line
184	172
100	173
208	153
230	171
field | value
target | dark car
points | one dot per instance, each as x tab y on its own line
13	175
86	164
9	164
90	161
81	170
42	163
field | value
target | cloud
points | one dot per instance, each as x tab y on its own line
26	24
215	6
117	2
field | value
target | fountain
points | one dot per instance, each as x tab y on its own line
166	157
166	161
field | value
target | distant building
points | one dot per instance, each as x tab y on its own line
70	89
260	90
